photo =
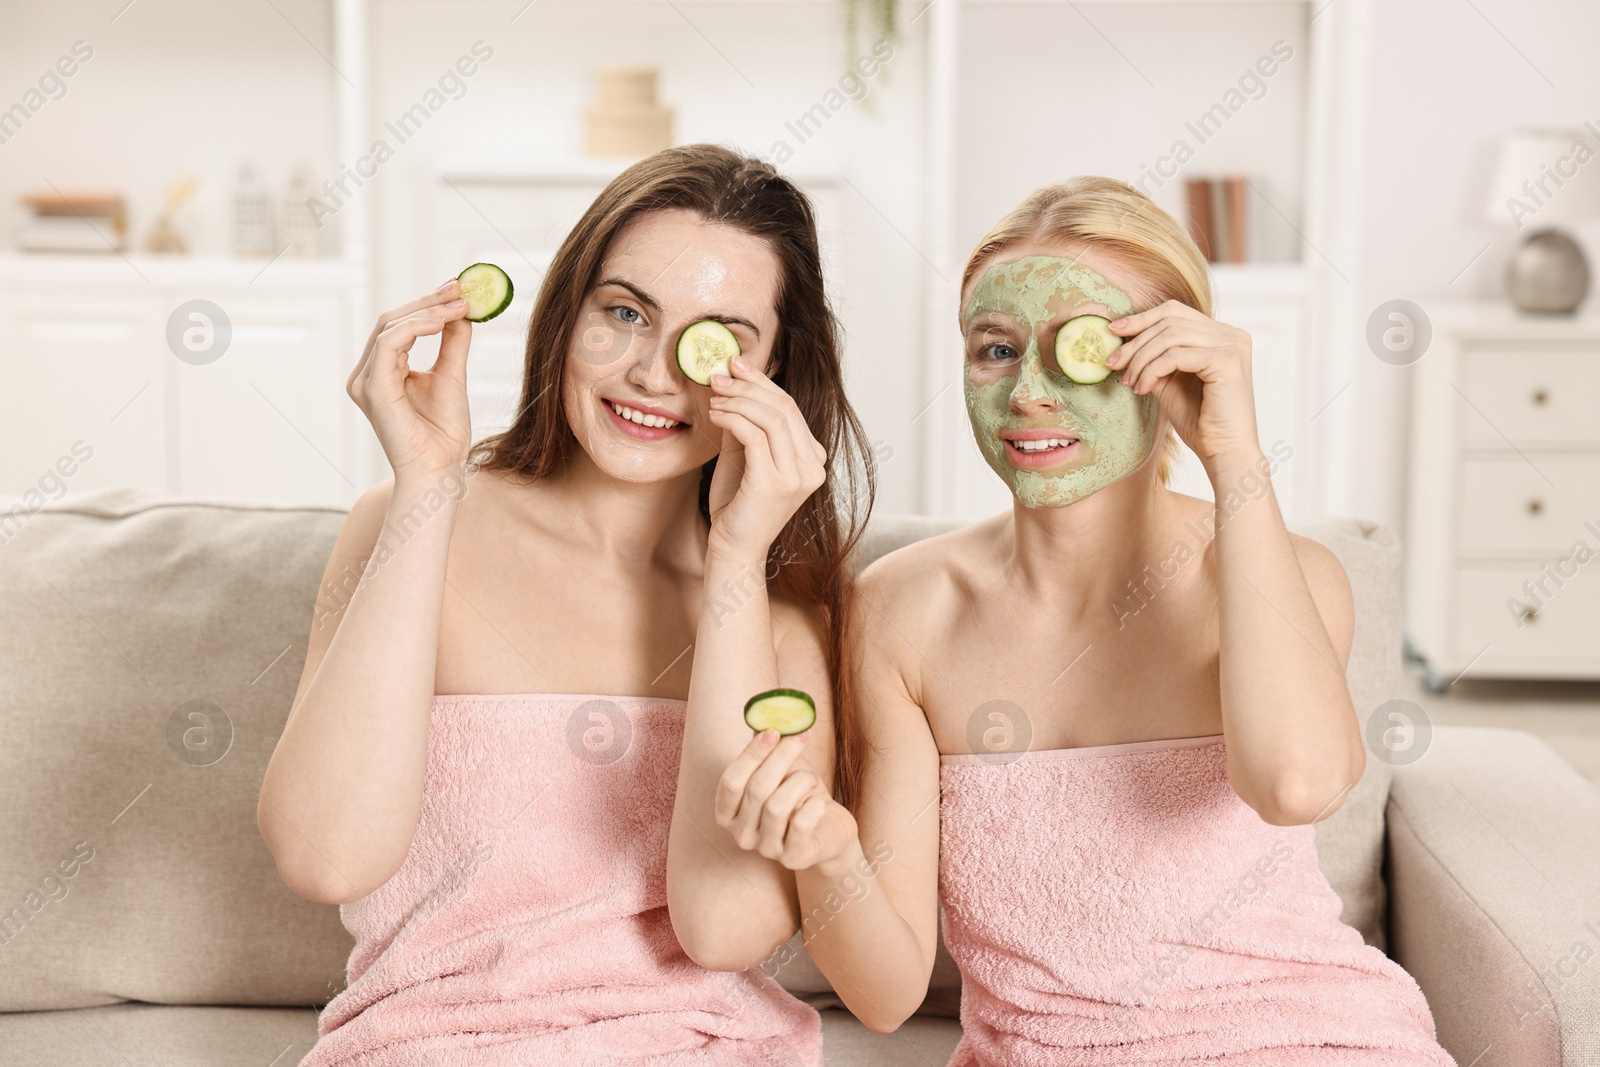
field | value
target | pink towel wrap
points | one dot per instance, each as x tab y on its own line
1121	905
528	924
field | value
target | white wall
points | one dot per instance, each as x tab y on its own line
185	86
525	106
173	87
1048	91
1051	90
1445	83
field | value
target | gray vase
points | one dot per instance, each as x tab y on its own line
1548	274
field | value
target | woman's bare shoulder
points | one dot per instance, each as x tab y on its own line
928	568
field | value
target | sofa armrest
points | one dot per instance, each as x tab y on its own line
1494	881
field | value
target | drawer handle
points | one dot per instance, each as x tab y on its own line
1540	397
1535	506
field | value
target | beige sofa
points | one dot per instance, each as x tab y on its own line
142	920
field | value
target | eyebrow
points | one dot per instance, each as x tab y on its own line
650	302
993	319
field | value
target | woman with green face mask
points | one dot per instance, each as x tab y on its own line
1097	728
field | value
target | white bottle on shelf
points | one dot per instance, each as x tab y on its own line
300	230
253	230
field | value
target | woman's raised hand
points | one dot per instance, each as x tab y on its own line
784	812
770	463
1198	369
420	416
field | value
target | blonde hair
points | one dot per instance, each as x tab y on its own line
1114	217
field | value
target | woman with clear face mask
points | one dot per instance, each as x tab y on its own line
502	755
1112	805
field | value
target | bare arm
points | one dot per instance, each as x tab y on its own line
868	898
872	917
731	907
1294	747
1294	744
343	790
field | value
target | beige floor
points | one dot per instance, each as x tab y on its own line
1566	715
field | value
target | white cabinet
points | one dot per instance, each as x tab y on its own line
263	422
91	373
80	379
1503	532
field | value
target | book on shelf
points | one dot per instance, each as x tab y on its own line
88	221
1217	211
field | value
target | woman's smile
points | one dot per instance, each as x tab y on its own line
1037	448
642	421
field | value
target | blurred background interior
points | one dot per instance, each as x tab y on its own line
204	205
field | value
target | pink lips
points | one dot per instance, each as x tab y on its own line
643	433
1049	457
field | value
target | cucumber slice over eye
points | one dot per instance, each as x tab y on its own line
486	289
1082	345
788	711
706	348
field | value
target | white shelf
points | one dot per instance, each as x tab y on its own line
102	267
578	171
497	170
1500	321
1260	279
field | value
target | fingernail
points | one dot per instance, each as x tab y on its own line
445	286
721	379
739	361
769	737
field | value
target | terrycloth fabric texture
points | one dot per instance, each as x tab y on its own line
1350	841
1121	905
528	924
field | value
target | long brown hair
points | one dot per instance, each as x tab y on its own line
808	561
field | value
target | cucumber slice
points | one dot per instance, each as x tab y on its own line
1082	345
788	711
486	289
706	348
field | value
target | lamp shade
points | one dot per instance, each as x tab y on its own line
1546	177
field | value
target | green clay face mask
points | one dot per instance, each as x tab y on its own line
1102	431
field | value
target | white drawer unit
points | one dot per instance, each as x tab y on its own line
1528	392
1503	523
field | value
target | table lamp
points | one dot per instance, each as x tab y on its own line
1547	179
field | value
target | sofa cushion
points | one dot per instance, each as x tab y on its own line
1350	841
920	1042
133	868
172	1036
121	1034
